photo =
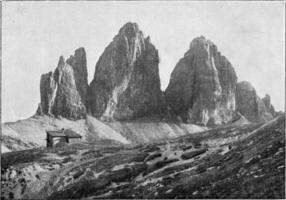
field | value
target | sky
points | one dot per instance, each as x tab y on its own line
35	34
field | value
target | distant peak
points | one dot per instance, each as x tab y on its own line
130	25
61	61
80	51
199	41
78	57
267	96
245	85
129	29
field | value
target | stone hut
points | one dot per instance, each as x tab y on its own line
62	137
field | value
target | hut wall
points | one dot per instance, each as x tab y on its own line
74	140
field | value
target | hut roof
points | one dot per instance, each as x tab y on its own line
64	133
71	134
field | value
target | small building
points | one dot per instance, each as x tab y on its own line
62	137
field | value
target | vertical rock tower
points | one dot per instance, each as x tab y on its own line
126	83
250	105
64	91
269	106
202	85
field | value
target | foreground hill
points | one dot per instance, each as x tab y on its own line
246	161
31	132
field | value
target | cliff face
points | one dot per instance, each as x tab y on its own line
78	63
250	105
202	85
126	82
63	92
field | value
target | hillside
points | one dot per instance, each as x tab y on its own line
31	132
245	161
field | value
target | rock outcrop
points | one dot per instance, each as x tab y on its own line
202	85
269	106
64	91
78	63
126	82
250	105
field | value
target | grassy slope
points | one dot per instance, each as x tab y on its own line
245	161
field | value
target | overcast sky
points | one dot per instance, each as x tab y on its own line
35	34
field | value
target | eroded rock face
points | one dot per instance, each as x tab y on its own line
78	63
269	106
126	82
64	91
202	85
250	105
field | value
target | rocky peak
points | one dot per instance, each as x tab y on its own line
61	61
129	30
267	100
63	92
126	82
78	63
269	106
202	85
250	105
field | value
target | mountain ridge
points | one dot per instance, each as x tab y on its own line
126	89
126	85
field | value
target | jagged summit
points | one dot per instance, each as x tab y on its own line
250	105
245	85
63	92
269	106
62	61
126	82
78	63
202	85
130	29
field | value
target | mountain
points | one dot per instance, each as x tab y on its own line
202	90
202	85
64	91
250	105
126	83
139	142
229	162
124	103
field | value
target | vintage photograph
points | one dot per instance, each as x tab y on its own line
143	100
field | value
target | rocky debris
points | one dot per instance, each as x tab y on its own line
252	168
239	119
193	154
202	85
15	144
153	156
126	82
250	105
63	92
